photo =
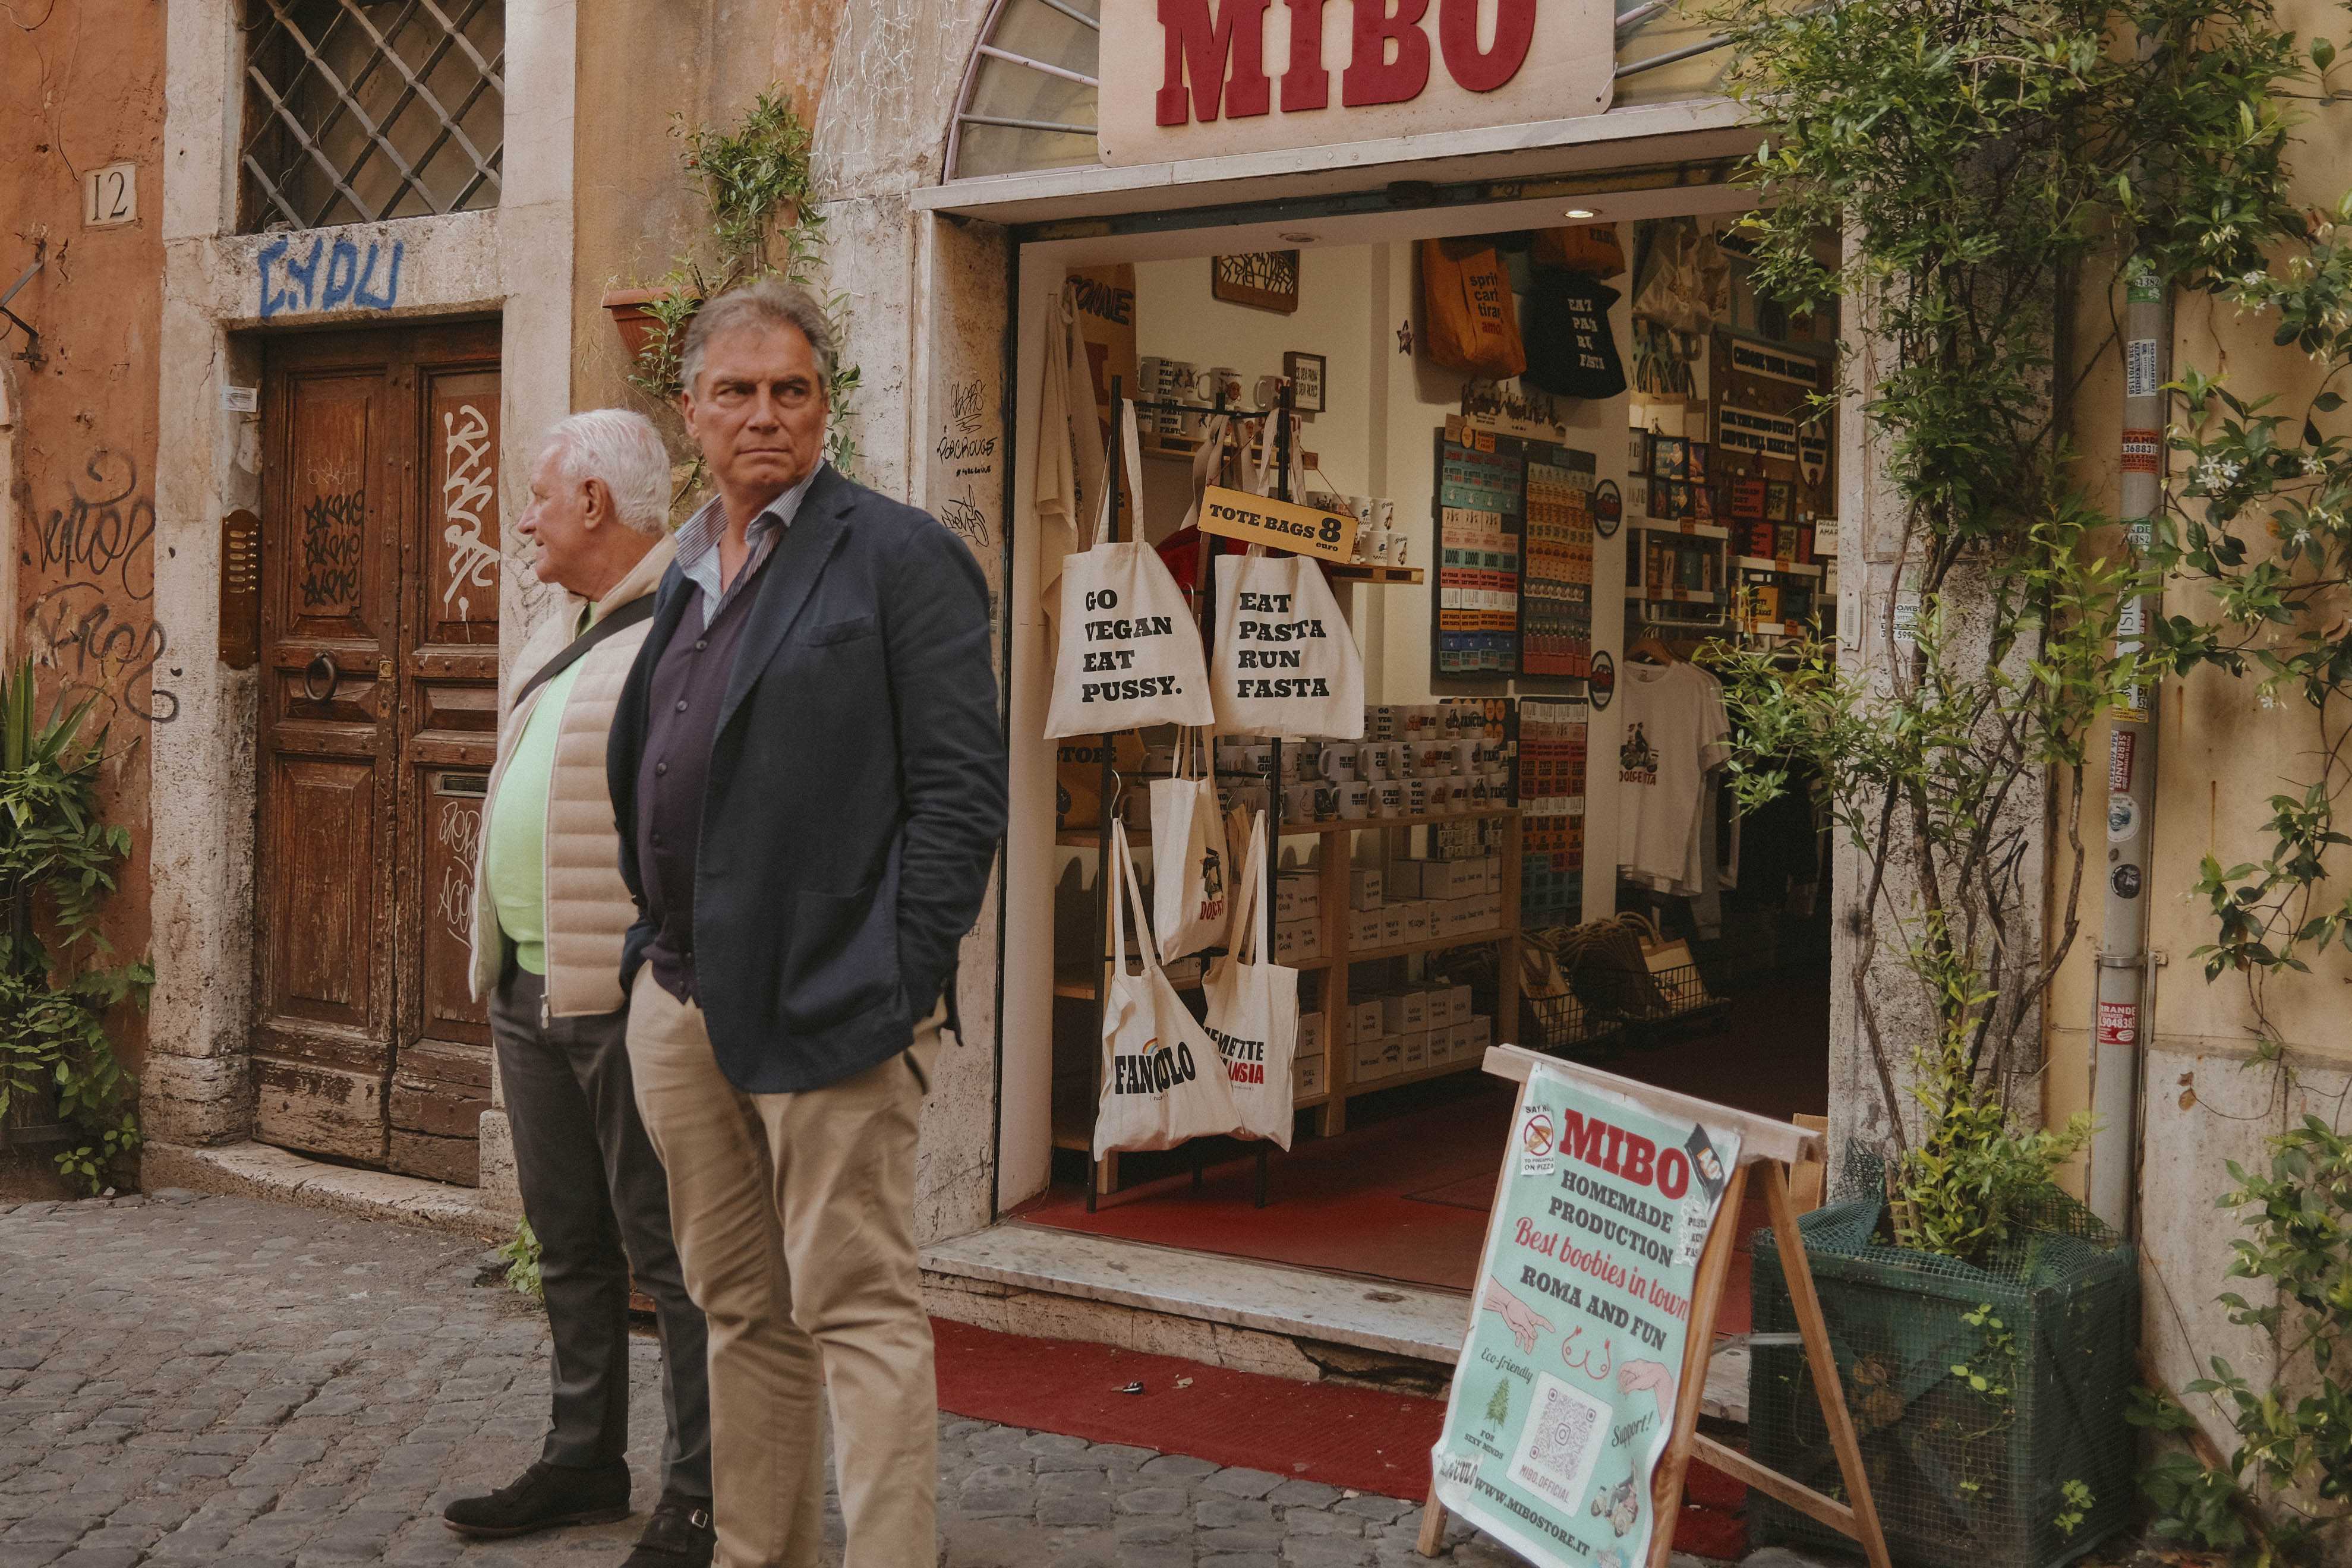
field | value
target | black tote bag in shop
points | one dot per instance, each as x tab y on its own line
1571	352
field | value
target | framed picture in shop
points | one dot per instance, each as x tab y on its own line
1698	450
1670	457
1780	501
1304	373
1637	454
1681	491
1702	502
1747	498
1265	279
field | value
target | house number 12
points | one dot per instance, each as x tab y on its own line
111	197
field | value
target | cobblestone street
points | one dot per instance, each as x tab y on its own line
239	1383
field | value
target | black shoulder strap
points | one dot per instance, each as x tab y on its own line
637	609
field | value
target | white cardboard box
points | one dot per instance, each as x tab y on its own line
1366	1055
1367	886
1297	941
1306	1076
1367	928
1364	1019
1310	1034
1402	1011
1457	1005
1296	895
1392	927
1482	1033
1416	1054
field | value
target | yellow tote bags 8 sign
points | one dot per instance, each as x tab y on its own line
1129	655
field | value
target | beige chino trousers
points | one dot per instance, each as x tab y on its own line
795	1221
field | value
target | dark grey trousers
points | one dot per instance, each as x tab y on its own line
597	1198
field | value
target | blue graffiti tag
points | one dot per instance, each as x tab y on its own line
328	278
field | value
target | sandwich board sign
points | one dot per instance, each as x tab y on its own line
1573	1413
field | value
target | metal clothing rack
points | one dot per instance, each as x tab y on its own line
1097	1178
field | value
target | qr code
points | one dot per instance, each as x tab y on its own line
1560	1441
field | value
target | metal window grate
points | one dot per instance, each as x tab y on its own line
358	110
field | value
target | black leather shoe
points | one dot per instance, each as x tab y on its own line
679	1535
544	1497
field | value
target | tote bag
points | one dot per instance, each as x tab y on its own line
1161	1078
1470	320
1254	1008
1129	655
1190	880
1285	662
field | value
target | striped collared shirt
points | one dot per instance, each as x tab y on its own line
697	543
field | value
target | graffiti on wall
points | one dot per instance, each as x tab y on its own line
329	274
459	833
467	487
334	524
95	626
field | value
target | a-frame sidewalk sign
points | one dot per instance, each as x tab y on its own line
1765	1149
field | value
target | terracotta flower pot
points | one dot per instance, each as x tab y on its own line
632	318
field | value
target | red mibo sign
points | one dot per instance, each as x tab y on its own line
1184	78
1388	60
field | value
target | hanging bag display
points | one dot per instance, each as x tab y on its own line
1129	655
1191	884
1285	662
1161	1081
1590	248
1254	1008
1470	320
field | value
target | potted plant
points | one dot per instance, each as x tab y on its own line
1954	173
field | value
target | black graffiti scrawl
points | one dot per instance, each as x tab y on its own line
332	526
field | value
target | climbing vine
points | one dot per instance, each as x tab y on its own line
756	181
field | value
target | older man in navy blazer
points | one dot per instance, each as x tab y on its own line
808	776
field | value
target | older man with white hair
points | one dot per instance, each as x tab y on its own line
550	912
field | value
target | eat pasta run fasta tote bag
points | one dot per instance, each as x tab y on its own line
1285	662
1190	881
1254	1008
1129	655
1162	1081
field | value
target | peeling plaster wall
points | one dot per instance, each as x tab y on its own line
81	89
219	300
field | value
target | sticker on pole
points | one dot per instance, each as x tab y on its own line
2122	818
2119	1024
2143	450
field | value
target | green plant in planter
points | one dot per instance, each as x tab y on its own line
58	862
755	179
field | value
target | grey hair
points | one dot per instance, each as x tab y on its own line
623	450
771	302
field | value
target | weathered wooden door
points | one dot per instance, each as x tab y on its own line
378	725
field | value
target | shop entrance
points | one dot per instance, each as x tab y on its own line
1566	545
377	726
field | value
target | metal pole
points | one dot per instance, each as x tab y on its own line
2119	1033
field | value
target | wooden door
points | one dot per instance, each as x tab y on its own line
377	727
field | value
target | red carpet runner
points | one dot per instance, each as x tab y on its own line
1342	1436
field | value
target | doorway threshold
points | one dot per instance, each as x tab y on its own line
1243	1313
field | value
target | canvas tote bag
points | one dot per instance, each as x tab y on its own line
1254	1008
1285	662
1190	880
1470	320
1162	1081
1129	655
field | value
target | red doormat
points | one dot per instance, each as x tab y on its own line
1342	1436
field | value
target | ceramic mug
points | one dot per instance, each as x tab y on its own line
1416	797
1339	763
1389	798
1372	762
1464	756
1298	803
1355	801
1325	801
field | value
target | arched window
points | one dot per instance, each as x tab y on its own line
1028	97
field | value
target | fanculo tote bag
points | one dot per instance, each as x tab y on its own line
1163	1080
1254	1008
1129	655
1285	662
1191	871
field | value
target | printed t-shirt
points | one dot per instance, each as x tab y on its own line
1675	730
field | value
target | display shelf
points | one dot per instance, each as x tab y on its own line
1768	563
1359	571
1178	449
1680	526
1418	1075
1091	838
1434	944
1675	596
1078	982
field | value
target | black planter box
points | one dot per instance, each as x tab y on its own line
1964	1477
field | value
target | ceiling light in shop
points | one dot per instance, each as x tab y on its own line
1300	238
1581	213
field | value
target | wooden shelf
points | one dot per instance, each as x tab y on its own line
1078	982
1419	1075
1766	563
1434	945
1357	571
1681	526
1677	596
1091	838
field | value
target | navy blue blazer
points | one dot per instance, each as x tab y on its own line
856	793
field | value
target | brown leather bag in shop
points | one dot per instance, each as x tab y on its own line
1470	320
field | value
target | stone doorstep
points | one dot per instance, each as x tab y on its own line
259	1170
1244	1313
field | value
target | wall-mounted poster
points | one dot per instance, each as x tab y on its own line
1481	523
1556	583
1669	457
1304	373
1765	420
1637	454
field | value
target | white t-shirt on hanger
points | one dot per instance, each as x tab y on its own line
1675	730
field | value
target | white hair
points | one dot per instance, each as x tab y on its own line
623	450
